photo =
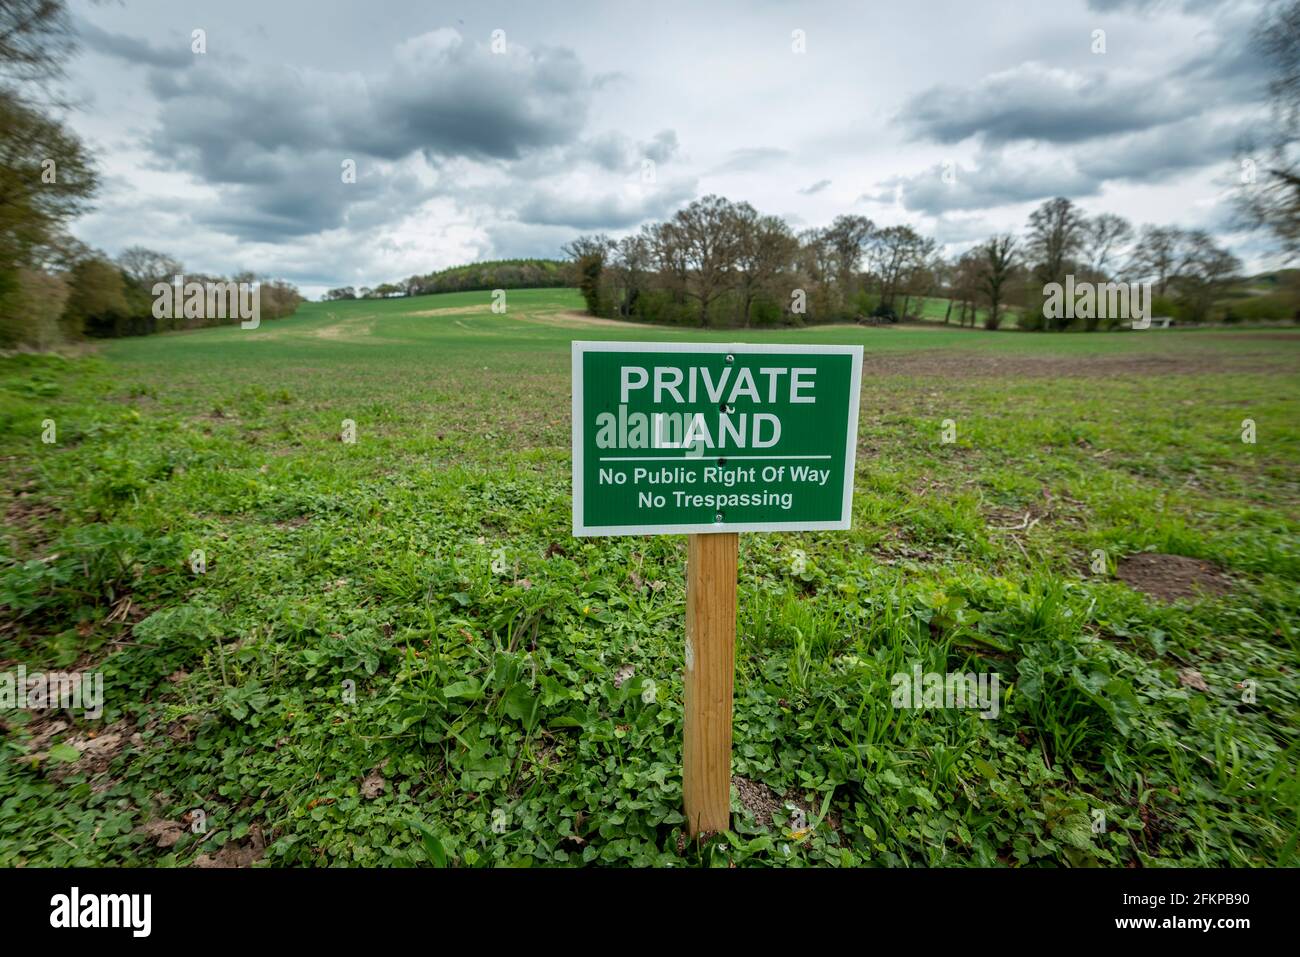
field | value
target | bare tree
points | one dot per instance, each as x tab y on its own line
1056	234
966	279
847	237
1155	256
1273	200
1204	269
634	257
817	265
669	255
894	253
765	248
144	266
707	231
1104	237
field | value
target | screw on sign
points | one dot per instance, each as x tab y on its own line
709	441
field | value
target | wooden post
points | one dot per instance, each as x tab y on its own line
710	672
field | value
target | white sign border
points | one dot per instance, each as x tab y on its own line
580	347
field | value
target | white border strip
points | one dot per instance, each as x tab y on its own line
580	347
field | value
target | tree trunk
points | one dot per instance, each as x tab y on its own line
947	312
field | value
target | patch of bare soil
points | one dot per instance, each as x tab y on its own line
757	798
235	854
897	545
451	311
762	803
949	363
97	749
35	520
357	329
1054	508
577	319
1172	577
164	834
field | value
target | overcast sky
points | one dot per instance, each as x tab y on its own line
232	159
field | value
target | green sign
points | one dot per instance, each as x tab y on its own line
671	438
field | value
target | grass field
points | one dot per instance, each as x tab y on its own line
397	654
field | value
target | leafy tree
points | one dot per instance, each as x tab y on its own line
997	262
589	252
46	179
97	303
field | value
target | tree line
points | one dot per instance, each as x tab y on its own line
493	274
722	263
718	262
53	288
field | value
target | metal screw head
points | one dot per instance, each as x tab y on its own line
718	518
730	357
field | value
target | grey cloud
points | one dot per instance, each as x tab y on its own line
996	181
443	97
816	187
1111	6
1235	72
1152	155
662	148
512	239
602	80
447	96
610	211
1150	6
749	158
609	151
618	154
134	50
272	139
1037	102
961	230
1149	156
306	194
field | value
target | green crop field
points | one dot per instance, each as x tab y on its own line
392	651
